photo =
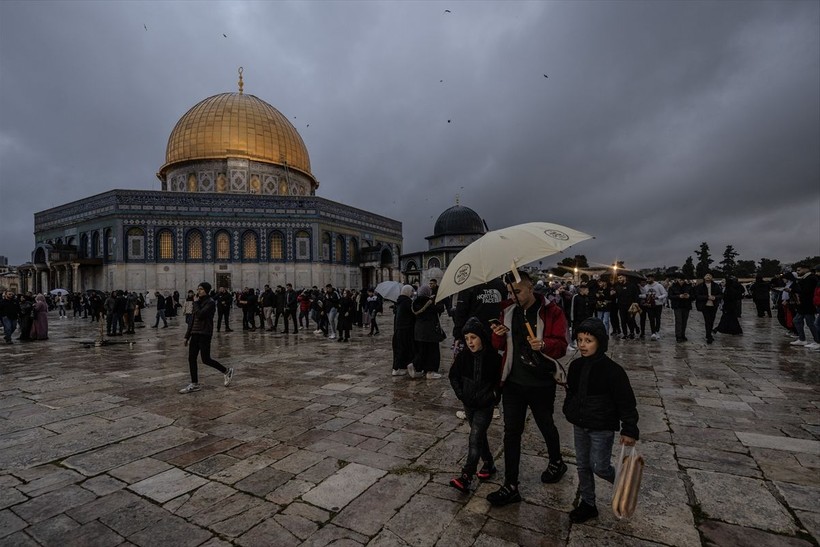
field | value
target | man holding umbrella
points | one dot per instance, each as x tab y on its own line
532	333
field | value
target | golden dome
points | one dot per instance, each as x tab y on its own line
235	125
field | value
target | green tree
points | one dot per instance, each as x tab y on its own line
578	261
728	263
745	268
809	262
704	264
769	267
688	269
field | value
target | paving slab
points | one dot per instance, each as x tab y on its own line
342	487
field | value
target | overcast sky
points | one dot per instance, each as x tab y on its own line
660	124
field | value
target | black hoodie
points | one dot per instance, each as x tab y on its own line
476	377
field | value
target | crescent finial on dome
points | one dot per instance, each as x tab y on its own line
241	84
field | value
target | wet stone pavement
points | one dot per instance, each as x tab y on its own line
315	443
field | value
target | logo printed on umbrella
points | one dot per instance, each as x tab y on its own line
555	234
462	274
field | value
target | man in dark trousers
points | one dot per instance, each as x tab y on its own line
707	299
224	301
527	379
160	310
680	297
198	338
291	305
9	313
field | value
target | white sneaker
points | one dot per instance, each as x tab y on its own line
813	345
411	371
228	376
399	372
190	388
461	415
496	413
331	337
433	375
654	337
317	331
799	343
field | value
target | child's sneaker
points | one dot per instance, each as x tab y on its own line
228	377
554	472
583	513
190	388
461	483
486	472
504	496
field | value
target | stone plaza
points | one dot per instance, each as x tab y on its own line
315	443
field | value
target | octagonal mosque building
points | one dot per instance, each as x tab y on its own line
238	208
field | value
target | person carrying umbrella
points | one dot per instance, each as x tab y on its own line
532	332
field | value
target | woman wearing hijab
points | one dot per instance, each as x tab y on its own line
732	302
39	327
428	334
404	341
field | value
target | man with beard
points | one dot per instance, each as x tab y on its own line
680	296
626	293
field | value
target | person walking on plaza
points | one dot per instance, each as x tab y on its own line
268	299
654	296
9	313
475	377
761	296
427	334
345	320
527	379
198	338
291	305
732	306
626	294
160	311
680	297
372	307
224	301
582	307
599	402
707	298
403	343
805	308
39	326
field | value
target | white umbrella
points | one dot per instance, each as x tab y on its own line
501	251
58	292
390	290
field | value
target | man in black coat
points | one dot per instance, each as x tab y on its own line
160	310
627	293
680	298
707	298
198	338
9	312
224	301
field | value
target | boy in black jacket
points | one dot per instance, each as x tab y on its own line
475	377
599	401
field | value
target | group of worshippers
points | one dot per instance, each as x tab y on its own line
26	311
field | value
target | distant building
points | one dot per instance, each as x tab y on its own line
455	228
238	207
4	261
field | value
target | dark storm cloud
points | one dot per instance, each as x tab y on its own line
661	125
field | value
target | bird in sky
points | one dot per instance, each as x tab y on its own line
448	121
146	26
545	76
447	11
224	35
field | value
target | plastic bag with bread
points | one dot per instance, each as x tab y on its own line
627	483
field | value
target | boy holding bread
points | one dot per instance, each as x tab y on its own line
599	401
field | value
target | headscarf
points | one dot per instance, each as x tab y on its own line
424	290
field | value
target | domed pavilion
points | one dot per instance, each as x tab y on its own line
455	228
237	208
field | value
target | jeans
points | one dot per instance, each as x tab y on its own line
201	344
9	326
478	447
681	320
603	315
808	318
222	313
290	313
303	314
540	400
593	453
655	319
331	320
161	315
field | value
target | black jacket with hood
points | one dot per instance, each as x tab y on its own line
476	377
599	395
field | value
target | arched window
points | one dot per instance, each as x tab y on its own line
83	250
70	241
433	263
353	252
135	240
301	242
96	249
411	267
165	245
339	250
222	246
326	246
193	246
109	244
250	246
277	246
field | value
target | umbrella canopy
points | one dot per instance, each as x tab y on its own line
631	273
390	290
58	292
500	251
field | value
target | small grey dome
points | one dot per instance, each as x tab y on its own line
459	220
